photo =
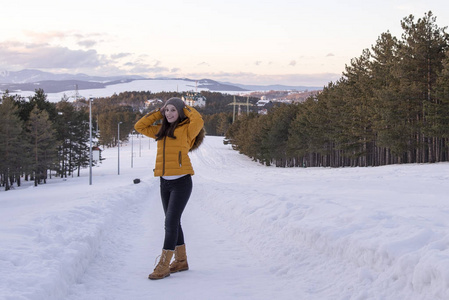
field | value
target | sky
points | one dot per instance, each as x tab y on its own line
288	42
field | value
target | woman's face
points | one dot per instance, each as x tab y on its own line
171	113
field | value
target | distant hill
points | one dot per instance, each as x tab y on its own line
276	87
218	86
30	80
32	76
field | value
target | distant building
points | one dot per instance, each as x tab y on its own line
150	102
263	105
79	104
96	153
194	99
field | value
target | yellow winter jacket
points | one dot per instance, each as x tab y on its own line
172	154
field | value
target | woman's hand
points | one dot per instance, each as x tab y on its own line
162	110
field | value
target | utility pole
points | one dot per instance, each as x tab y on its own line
90	140
132	149
233	115
118	147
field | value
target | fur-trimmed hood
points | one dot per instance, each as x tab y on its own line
199	139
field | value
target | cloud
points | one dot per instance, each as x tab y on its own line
17	56
84	40
45	37
330	54
87	43
141	67
40	54
258	62
120	55
44	56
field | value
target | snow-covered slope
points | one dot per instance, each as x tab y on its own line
252	232
155	86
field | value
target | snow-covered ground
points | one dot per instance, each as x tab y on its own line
252	232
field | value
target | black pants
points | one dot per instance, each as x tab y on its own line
174	194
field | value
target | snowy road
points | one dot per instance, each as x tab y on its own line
252	232
221	265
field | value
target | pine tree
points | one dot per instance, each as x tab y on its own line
421	53
357	88
73	135
388	120
440	120
41	136
11	145
278	132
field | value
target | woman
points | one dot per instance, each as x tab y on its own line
175	137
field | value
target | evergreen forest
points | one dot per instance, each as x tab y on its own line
390	106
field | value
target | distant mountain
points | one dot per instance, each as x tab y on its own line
274	87
32	76
30	80
57	86
218	86
52	86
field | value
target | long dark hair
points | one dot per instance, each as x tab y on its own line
167	129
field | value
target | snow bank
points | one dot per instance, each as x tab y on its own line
50	234
383	230
42	258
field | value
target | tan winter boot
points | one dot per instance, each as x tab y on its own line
162	269
180	262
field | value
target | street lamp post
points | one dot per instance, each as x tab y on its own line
118	147
132	149
90	140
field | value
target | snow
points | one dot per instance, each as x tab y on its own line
252	232
154	86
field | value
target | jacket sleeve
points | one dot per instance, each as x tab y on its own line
195	121
146	124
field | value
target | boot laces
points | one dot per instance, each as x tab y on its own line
156	260
162	257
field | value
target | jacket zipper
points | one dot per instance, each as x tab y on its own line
163	158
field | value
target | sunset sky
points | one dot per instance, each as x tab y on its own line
288	42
